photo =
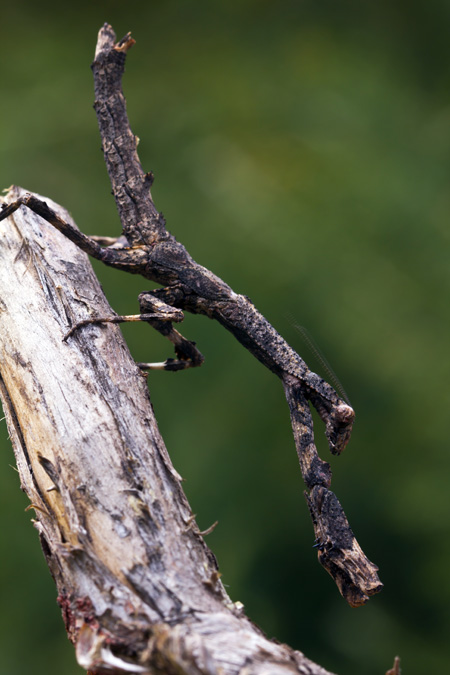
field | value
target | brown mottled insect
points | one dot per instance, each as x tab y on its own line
148	249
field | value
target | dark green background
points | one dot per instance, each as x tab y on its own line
301	151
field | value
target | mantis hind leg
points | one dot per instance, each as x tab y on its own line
43	210
114	252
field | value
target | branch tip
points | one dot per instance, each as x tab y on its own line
105	40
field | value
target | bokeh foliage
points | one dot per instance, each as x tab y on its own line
301	152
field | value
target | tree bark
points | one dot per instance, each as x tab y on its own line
139	590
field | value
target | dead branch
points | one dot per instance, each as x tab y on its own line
139	590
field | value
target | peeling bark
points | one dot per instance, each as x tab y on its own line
139	590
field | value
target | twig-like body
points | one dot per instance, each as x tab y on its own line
148	249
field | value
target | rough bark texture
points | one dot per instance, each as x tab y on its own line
139	590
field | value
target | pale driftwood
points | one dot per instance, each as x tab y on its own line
139	590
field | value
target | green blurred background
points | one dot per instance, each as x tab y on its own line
301	152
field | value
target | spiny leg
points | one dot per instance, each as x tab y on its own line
160	316
188	354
